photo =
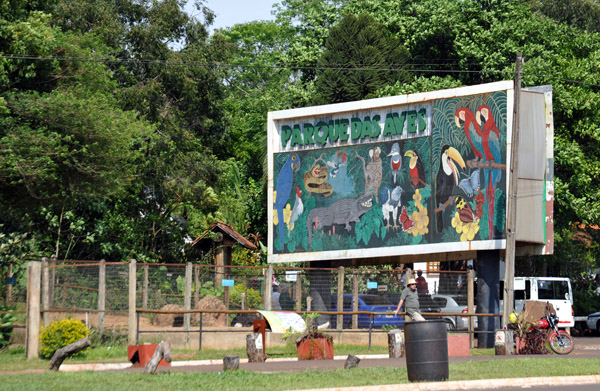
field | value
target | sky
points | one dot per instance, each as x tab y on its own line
230	12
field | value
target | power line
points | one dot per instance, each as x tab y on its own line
358	67
365	68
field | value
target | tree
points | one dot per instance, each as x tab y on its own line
357	60
584	14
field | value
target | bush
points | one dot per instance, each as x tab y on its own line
7	319
61	333
253	297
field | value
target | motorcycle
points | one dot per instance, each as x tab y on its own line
559	340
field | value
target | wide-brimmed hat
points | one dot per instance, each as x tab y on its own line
411	282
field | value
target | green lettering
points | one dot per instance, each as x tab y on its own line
356	125
286	133
411	125
296	136
421	119
321	132
389	125
341	126
399	122
376	127
308	131
366	128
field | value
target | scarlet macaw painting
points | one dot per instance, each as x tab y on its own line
469	161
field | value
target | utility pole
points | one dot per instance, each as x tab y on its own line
511	221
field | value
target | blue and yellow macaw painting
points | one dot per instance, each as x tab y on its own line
361	196
469	160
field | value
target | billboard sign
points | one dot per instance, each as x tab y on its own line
413	174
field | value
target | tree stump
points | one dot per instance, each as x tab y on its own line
351	362
163	350
59	356
254	348
396	343
231	363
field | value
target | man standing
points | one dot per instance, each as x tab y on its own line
411	298
422	287
275	306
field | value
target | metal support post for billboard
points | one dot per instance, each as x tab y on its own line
509	265
509	261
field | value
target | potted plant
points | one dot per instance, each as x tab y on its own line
314	344
528	338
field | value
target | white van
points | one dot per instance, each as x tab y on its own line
556	290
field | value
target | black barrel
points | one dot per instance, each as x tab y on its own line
426	345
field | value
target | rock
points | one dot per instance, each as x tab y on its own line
170	320
231	363
351	362
210	303
245	320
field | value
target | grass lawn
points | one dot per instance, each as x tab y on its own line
14	359
243	380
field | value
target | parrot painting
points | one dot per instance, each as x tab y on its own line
395	160
297	210
338	174
491	154
284	187
416	170
390	202
446	179
465	119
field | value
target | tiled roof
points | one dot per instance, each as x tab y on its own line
227	230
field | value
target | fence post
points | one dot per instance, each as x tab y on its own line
268	288
196	285
340	298
187	302
471	305
145	288
101	295
355	300
9	287
298	292
32	342
45	292
132	302
52	278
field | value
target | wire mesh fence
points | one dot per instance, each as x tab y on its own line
99	293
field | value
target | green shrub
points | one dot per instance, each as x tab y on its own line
253	297
61	333
7	319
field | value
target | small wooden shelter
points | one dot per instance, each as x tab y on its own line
223	237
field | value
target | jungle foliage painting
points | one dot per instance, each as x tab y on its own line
469	161
447	187
363	196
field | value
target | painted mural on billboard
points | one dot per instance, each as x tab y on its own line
469	160
445	186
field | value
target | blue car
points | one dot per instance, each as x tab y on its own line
370	303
